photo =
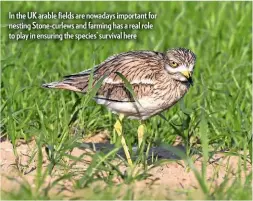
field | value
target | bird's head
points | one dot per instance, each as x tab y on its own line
179	63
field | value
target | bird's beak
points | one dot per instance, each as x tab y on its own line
188	75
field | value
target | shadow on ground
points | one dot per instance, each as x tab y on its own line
154	152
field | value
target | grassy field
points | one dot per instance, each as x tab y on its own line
214	116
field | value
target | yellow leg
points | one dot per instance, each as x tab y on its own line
141	130
118	129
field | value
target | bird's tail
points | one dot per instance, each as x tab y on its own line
76	82
61	85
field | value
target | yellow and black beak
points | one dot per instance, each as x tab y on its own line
188	75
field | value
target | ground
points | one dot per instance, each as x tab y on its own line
174	179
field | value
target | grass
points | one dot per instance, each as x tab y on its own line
214	116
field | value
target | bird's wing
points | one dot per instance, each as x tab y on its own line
120	93
140	68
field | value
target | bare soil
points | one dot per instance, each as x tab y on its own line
169	180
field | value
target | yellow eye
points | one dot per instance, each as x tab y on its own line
173	64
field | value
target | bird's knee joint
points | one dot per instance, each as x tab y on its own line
118	127
141	130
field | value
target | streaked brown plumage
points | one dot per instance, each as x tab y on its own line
159	80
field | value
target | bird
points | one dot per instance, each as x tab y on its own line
158	81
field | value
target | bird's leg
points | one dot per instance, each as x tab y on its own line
141	130
118	129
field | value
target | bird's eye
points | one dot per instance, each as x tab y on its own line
173	64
